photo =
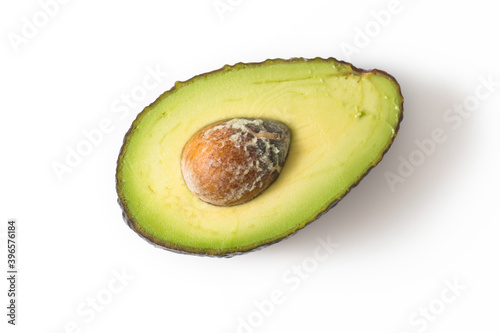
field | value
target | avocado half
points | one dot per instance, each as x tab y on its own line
342	120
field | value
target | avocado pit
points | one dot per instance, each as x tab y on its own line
232	161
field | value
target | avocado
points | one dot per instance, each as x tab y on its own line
341	120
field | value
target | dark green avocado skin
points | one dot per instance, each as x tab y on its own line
197	252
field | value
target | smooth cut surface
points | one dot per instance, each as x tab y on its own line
342	120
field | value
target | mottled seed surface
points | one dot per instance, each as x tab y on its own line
232	161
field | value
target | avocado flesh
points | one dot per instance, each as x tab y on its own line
342	121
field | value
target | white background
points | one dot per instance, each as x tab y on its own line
400	248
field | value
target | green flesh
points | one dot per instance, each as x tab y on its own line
342	120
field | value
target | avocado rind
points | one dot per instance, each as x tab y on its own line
134	225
